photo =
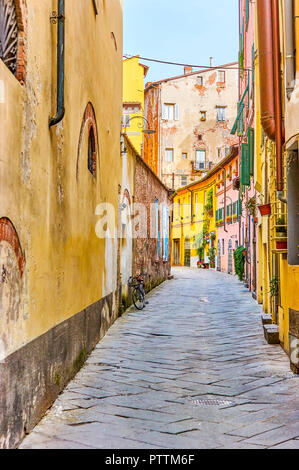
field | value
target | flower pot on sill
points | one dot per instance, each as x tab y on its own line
281	244
265	209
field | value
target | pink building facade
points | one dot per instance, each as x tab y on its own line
228	214
244	129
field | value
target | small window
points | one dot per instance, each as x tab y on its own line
184	180
184	156
203	115
200	157
200	81
219	153
170	112
199	137
221	76
221	113
92	156
126	120
227	150
169	155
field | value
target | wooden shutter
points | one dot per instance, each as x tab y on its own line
164	111
245	165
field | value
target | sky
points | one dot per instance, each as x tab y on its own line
184	31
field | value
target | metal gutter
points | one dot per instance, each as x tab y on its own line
60	65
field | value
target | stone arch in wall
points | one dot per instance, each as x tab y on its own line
12	264
13	36
89	126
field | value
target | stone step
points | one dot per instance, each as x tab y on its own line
271	333
266	319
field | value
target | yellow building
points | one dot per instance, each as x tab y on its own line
133	100
194	224
59	289
278	234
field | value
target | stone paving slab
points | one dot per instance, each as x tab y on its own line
192	370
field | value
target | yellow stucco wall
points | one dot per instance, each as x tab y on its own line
271	261
53	210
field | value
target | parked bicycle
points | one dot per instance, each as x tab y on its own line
138	290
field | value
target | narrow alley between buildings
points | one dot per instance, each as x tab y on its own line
190	371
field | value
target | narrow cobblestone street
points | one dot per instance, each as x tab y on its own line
192	370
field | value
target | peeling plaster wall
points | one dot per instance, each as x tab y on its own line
182	134
148	188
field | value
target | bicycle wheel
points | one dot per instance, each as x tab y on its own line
138	299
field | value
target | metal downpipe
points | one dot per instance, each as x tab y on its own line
53	121
279	130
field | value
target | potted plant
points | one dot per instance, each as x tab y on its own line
235	217
281	232
239	259
281	229
265	209
212	256
228	219
274	286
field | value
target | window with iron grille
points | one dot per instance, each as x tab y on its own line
184	180
9	34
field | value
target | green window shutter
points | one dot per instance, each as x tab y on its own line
251	150
245	165
247	11
239	206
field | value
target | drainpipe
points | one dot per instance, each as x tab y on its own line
192	206
289	44
279	128
60	65
270	76
224	225
266	70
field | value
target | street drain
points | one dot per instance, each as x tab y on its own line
212	402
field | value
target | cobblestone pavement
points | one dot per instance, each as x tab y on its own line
190	371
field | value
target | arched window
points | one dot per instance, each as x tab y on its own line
88	129
13	37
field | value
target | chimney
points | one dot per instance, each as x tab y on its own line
187	70
211	61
